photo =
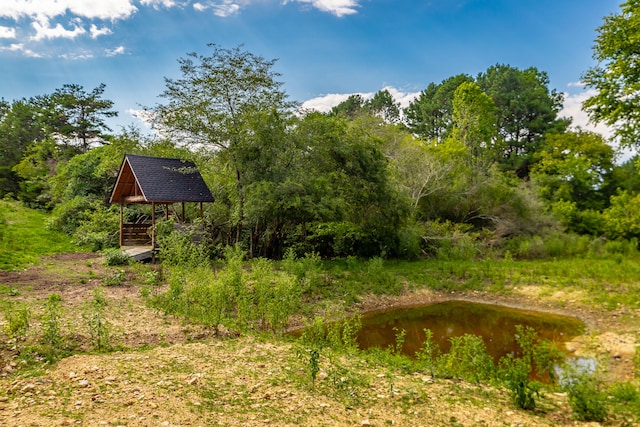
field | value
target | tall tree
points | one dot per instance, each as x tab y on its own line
20	126
215	102
574	167
616	77
474	121
384	106
430	115
79	116
526	109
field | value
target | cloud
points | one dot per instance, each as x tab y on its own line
572	107
336	7
221	8
97	32
7	33
19	47
156	4
325	103
45	31
110	10
116	51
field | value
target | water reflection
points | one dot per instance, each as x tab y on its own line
496	324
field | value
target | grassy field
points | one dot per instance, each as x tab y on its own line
24	237
85	343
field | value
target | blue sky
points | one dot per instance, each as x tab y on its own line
326	49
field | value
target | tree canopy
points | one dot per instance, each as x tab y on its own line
616	77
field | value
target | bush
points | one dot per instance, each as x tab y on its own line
586	398
114	256
99	229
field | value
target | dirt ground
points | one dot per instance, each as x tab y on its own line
172	374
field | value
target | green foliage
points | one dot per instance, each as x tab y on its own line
95	321
467	359
260	298
429	353
52	338
24	236
615	75
99	229
537	356
115	278
621	218
115	256
320	338
18	320
177	247
586	397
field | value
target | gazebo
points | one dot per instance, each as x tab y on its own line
154	181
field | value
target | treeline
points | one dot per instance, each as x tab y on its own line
473	165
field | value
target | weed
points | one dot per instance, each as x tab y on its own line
587	400
115	278
18	320
98	327
429	352
51	328
467	359
115	256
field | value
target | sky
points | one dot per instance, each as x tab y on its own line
325	49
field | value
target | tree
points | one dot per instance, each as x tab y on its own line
430	115
474	121
525	110
384	106
574	167
20	126
215	104
616	77
79	117
351	107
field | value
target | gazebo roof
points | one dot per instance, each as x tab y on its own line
145	179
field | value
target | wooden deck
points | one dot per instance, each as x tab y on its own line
138	253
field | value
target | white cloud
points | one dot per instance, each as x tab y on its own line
19	47
199	7
116	51
7	32
45	31
221	8
156	4
325	103
111	9
572	107
337	7
97	32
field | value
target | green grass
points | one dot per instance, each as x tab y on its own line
24	237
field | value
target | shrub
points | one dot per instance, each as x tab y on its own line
467	359
586	398
115	256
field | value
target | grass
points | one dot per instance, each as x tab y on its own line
24	237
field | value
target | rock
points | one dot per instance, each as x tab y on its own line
365	423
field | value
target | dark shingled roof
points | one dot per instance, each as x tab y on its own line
159	179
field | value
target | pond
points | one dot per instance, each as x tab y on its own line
496	324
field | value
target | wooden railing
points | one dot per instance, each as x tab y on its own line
136	234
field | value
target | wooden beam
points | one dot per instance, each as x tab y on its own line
133	200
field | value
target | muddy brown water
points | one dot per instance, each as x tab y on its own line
495	324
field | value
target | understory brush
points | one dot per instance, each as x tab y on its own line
259	299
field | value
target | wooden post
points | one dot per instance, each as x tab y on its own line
153	225
201	213
183	217
121	224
